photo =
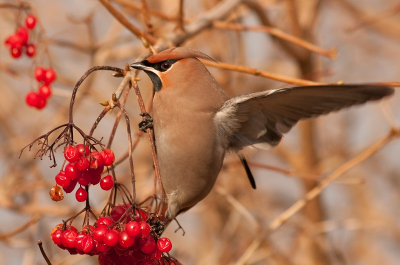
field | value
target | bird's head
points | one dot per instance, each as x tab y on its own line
173	66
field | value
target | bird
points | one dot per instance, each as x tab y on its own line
196	123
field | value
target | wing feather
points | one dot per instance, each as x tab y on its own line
260	119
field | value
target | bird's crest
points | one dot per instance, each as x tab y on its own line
177	54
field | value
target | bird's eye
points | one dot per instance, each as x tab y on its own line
165	66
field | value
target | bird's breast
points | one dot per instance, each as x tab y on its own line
189	154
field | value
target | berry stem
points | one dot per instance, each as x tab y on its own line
117	119
99	118
40	244
87	207
128	128
80	81
149	131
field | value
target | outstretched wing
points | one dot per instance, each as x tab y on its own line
260	119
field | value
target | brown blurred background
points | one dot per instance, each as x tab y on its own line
355	220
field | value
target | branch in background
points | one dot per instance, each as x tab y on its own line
204	21
181	17
279	34
370	20
252	71
20	229
145	11
138	33
300	204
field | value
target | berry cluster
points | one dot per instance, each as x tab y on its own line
85	168
18	42
45	77
124	237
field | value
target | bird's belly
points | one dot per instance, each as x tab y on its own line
189	165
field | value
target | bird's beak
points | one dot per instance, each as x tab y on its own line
138	65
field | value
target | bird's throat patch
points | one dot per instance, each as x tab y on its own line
155	79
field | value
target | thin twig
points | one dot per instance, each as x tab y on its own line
181	16
20	229
128	128
332	53
84	76
145	12
152	142
138	33
252	71
40	244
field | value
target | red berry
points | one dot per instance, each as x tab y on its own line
50	76
56	234
74	251
78	241
133	228
71	153
71	186
101	247
97	171
87	243
32	99
68	238
30	50
30	21
98	233
71	171
117	212
83	149
147	244
62	179
110	238
156	254
142	215
125	240
82	164
94	178
86	230
164	244
85	178
145	229
56	237
41	103
95	160
45	91
40	73
14	41
108	156
104	222
16	52
81	195
23	33
107	182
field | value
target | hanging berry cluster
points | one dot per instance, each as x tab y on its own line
121	234
123	237
45	77
85	168
19	41
24	41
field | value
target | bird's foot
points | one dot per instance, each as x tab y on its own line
146	123
158	226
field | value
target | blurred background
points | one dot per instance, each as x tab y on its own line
354	220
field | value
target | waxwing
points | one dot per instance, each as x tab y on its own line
196	123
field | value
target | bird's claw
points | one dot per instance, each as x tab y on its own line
158	227
146	123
